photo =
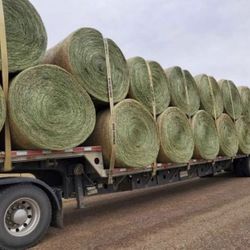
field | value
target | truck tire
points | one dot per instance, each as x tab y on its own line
242	167
25	215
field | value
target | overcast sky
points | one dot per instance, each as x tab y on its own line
203	36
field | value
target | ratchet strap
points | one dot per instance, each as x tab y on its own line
213	98
112	113
186	91
5	81
154	164
231	100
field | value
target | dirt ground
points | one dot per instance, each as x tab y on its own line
211	213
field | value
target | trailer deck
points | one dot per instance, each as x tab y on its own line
94	155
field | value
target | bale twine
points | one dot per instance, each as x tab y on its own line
205	136
231	98
210	95
245	99
82	54
137	142
26	35
227	136
243	132
140	89
177	143
183	90
48	109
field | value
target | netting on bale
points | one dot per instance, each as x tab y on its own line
210	95
82	54
205	136
26	35
243	132
183	90
245	99
227	136
48	109
137	141
140	88
231	98
177	143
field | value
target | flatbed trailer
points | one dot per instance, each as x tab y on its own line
29	205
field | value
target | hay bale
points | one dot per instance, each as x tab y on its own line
140	88
48	109
231	98
243	132
227	136
205	136
245	99
26	35
177	143
82	54
210	95
136	131
183	90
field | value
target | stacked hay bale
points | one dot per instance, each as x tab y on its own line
155	89
203	123
48	109
26	40
59	99
83	54
243	122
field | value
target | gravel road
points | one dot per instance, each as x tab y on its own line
211	213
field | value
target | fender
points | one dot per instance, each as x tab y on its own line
54	195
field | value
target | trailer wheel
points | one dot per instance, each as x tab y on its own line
25	215
242	167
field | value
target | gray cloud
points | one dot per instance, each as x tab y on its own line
205	36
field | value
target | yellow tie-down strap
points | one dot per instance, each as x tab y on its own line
154	164
112	113
5	81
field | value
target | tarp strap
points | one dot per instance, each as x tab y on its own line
112	113
5	80
154	164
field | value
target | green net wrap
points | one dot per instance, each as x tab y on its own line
140	88
177	144
48	109
82	54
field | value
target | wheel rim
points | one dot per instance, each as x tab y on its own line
22	216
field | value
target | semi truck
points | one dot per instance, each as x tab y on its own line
32	192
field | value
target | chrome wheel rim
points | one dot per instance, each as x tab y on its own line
22	216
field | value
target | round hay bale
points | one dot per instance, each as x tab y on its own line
231	98
177	143
137	141
245	99
205	136
82	54
183	90
227	136
243	132
140	87
48	109
26	35
210	95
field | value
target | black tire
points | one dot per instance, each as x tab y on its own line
242	167
34	230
